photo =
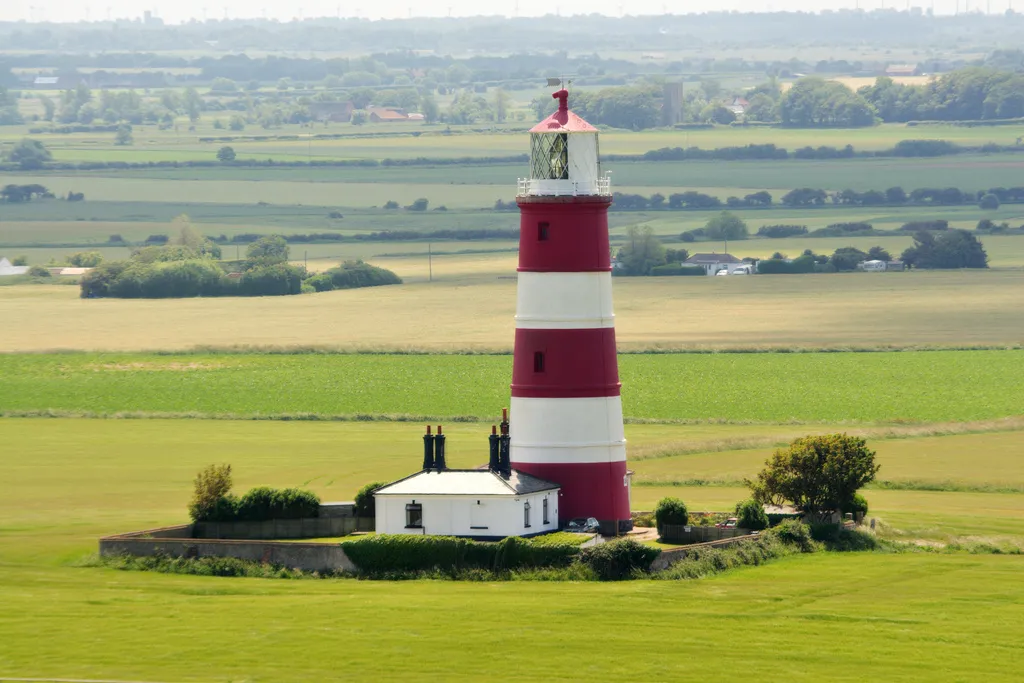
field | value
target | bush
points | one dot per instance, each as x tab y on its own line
273	280
859	504
796	533
365	502
670	511
776	231
263	503
354	274
211	485
320	282
915	226
619	560
989	202
751	515
38	271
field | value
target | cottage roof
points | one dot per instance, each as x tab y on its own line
467	483
388	114
712	258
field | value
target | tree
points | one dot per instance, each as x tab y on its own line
814	102
19	261
429	108
804	196
237	123
817	474
226	154
989	202
420	204
211	486
193	240
847	258
359	118
879	254
49	107
761	108
670	511
193	105
726	226
949	249
85	259
501	102
221	84
641	252
896	195
751	515
268	250
124	135
29	154
365	502
717	113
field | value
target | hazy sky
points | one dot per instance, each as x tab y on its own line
176	11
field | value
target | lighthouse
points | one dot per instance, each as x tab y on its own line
566	408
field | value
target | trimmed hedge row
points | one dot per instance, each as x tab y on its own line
397	552
263	504
674	269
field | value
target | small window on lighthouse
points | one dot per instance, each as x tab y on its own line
538	361
542	231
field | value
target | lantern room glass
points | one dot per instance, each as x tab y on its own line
549	156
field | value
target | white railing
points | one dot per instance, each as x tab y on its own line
563	188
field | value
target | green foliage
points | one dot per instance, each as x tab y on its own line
847	258
38	271
814	102
619	560
795	533
418	205
778	231
366	505
817	474
85	259
226	154
29	154
858	505
279	279
356	274
383	554
204	566
670	511
123	137
949	249
642	252
263	504
267	250
19	261
751	515
211	486
674	269
989	202
726	226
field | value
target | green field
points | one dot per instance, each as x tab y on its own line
69	481
926	386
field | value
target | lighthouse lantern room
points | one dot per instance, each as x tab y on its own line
566	421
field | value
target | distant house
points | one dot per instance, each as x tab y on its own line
340	112
46	81
415	116
876	266
738	106
7	269
379	115
897	70
712	263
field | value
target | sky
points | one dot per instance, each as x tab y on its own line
177	11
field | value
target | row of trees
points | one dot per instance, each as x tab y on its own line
930	250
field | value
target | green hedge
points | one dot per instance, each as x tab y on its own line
385	553
619	560
263	504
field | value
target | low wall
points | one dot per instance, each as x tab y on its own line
670	557
311	527
307	556
678	533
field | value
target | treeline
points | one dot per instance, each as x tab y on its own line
188	268
467	235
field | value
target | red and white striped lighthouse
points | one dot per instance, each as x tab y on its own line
566	405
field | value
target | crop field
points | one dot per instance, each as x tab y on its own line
924	386
74	480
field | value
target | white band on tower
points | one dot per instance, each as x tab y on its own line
564	300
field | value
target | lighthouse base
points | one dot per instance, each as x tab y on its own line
591	489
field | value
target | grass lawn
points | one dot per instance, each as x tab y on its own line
922	386
69	481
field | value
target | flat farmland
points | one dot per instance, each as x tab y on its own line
71	481
923	386
786	311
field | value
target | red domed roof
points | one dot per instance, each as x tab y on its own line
563	120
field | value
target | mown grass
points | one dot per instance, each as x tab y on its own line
924	386
69	481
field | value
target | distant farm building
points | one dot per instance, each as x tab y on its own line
902	70
7	269
738	106
340	112
379	115
712	263
876	266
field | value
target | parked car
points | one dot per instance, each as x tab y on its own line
584	525
728	524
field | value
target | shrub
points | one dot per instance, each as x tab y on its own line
365	503
273	280
619	560
674	269
776	231
859	504
989	202
354	274
263	503
796	533
211	484
670	511
320	282
915	226
751	515
38	271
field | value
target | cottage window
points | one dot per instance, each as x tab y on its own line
542	231
538	361
526	515
546	511
414	516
